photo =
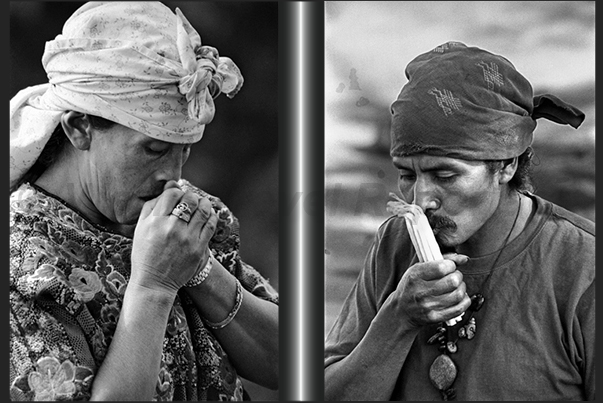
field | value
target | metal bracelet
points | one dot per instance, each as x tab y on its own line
201	275
233	312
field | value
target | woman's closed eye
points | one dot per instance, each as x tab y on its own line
156	150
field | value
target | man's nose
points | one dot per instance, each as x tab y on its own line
425	195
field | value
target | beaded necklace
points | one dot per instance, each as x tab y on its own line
443	370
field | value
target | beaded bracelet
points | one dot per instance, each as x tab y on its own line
233	312
202	274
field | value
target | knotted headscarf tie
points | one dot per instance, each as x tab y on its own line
465	102
208	74
134	63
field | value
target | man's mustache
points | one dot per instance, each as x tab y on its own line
440	222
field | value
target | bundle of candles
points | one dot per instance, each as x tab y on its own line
420	232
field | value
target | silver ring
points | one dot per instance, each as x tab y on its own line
184	207
182	211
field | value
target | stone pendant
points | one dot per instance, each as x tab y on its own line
442	372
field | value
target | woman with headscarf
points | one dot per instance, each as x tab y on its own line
508	312
125	280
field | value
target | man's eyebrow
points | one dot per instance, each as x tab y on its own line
439	166
443	166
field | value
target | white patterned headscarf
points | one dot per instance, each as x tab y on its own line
135	63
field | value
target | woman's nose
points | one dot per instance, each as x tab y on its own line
171	170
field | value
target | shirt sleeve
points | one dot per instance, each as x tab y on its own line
356	315
385	263
584	337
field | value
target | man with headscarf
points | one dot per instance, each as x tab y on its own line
125	280
518	271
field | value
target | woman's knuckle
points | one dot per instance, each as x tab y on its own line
173	192
205	204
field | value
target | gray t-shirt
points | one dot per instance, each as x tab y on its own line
535	333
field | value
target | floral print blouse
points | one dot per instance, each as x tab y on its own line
67	282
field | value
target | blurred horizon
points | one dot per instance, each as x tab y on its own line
367	48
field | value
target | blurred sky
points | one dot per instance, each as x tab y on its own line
367	47
552	43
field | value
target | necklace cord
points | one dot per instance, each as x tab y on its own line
446	368
505	243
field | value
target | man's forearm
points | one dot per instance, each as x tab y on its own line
371	370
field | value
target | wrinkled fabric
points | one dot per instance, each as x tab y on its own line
134	63
67	283
465	102
535	335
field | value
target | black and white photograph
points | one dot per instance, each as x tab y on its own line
459	200
194	184
144	201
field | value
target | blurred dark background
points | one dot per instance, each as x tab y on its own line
237	159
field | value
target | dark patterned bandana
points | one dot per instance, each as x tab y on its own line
465	102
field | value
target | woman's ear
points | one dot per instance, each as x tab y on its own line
76	126
507	171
